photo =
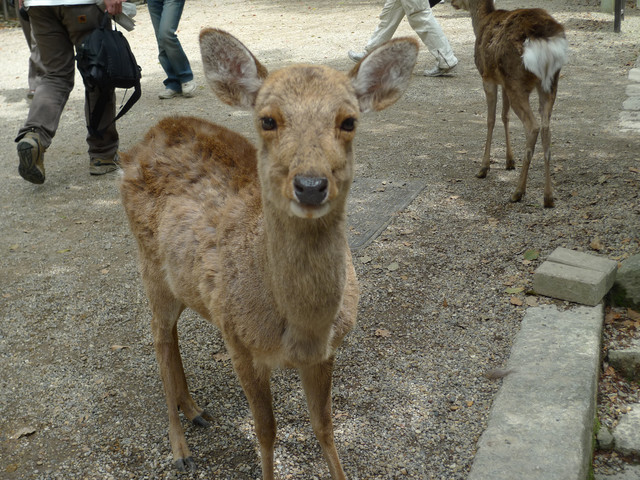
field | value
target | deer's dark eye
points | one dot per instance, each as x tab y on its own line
348	124
268	123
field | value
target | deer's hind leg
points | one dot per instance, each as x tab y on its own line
547	99
166	310
520	104
506	105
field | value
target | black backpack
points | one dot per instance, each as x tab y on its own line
105	62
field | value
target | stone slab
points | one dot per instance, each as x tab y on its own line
627	362
627	433
634	74
372	204
575	276
632	103
585	260
541	422
626	290
630	472
633	89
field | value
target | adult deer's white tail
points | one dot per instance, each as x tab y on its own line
544	57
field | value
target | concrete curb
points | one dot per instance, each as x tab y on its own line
541	423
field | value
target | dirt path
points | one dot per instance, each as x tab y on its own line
410	397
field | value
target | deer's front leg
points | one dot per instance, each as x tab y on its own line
316	381
165	340
254	379
491	92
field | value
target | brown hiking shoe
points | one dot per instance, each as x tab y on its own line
100	166
31	155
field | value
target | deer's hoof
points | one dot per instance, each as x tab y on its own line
482	173
516	197
201	420
548	202
511	165
185	464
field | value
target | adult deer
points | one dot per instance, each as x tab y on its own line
257	244
519	50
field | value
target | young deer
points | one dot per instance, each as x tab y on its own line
257	244
519	50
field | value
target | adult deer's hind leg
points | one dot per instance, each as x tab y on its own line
511	164
547	100
520	104
491	93
316	380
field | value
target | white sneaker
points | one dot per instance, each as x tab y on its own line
438	71
356	56
168	93
189	88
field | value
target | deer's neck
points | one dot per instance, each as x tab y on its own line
306	270
479	11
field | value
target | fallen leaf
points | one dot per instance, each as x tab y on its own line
365	259
23	432
13	248
633	315
531	254
104	271
393	267
445	303
611	317
381	332
115	348
634	169
516	301
596	244
64	250
221	356
513	290
531	301
469	403
454	407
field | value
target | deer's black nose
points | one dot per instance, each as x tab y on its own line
310	190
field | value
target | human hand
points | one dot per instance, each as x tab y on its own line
114	7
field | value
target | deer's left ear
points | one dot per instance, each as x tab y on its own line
232	71
382	76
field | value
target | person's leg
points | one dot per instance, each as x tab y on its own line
80	20
390	17
165	16
36	69
57	55
423	22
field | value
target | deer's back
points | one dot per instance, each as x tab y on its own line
176	185
500	41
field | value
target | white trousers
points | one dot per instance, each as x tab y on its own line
422	21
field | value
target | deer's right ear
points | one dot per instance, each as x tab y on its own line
382	77
232	71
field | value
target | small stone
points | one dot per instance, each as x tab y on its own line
606	441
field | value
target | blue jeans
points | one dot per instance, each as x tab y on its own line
165	17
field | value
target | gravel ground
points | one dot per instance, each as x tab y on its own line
444	287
